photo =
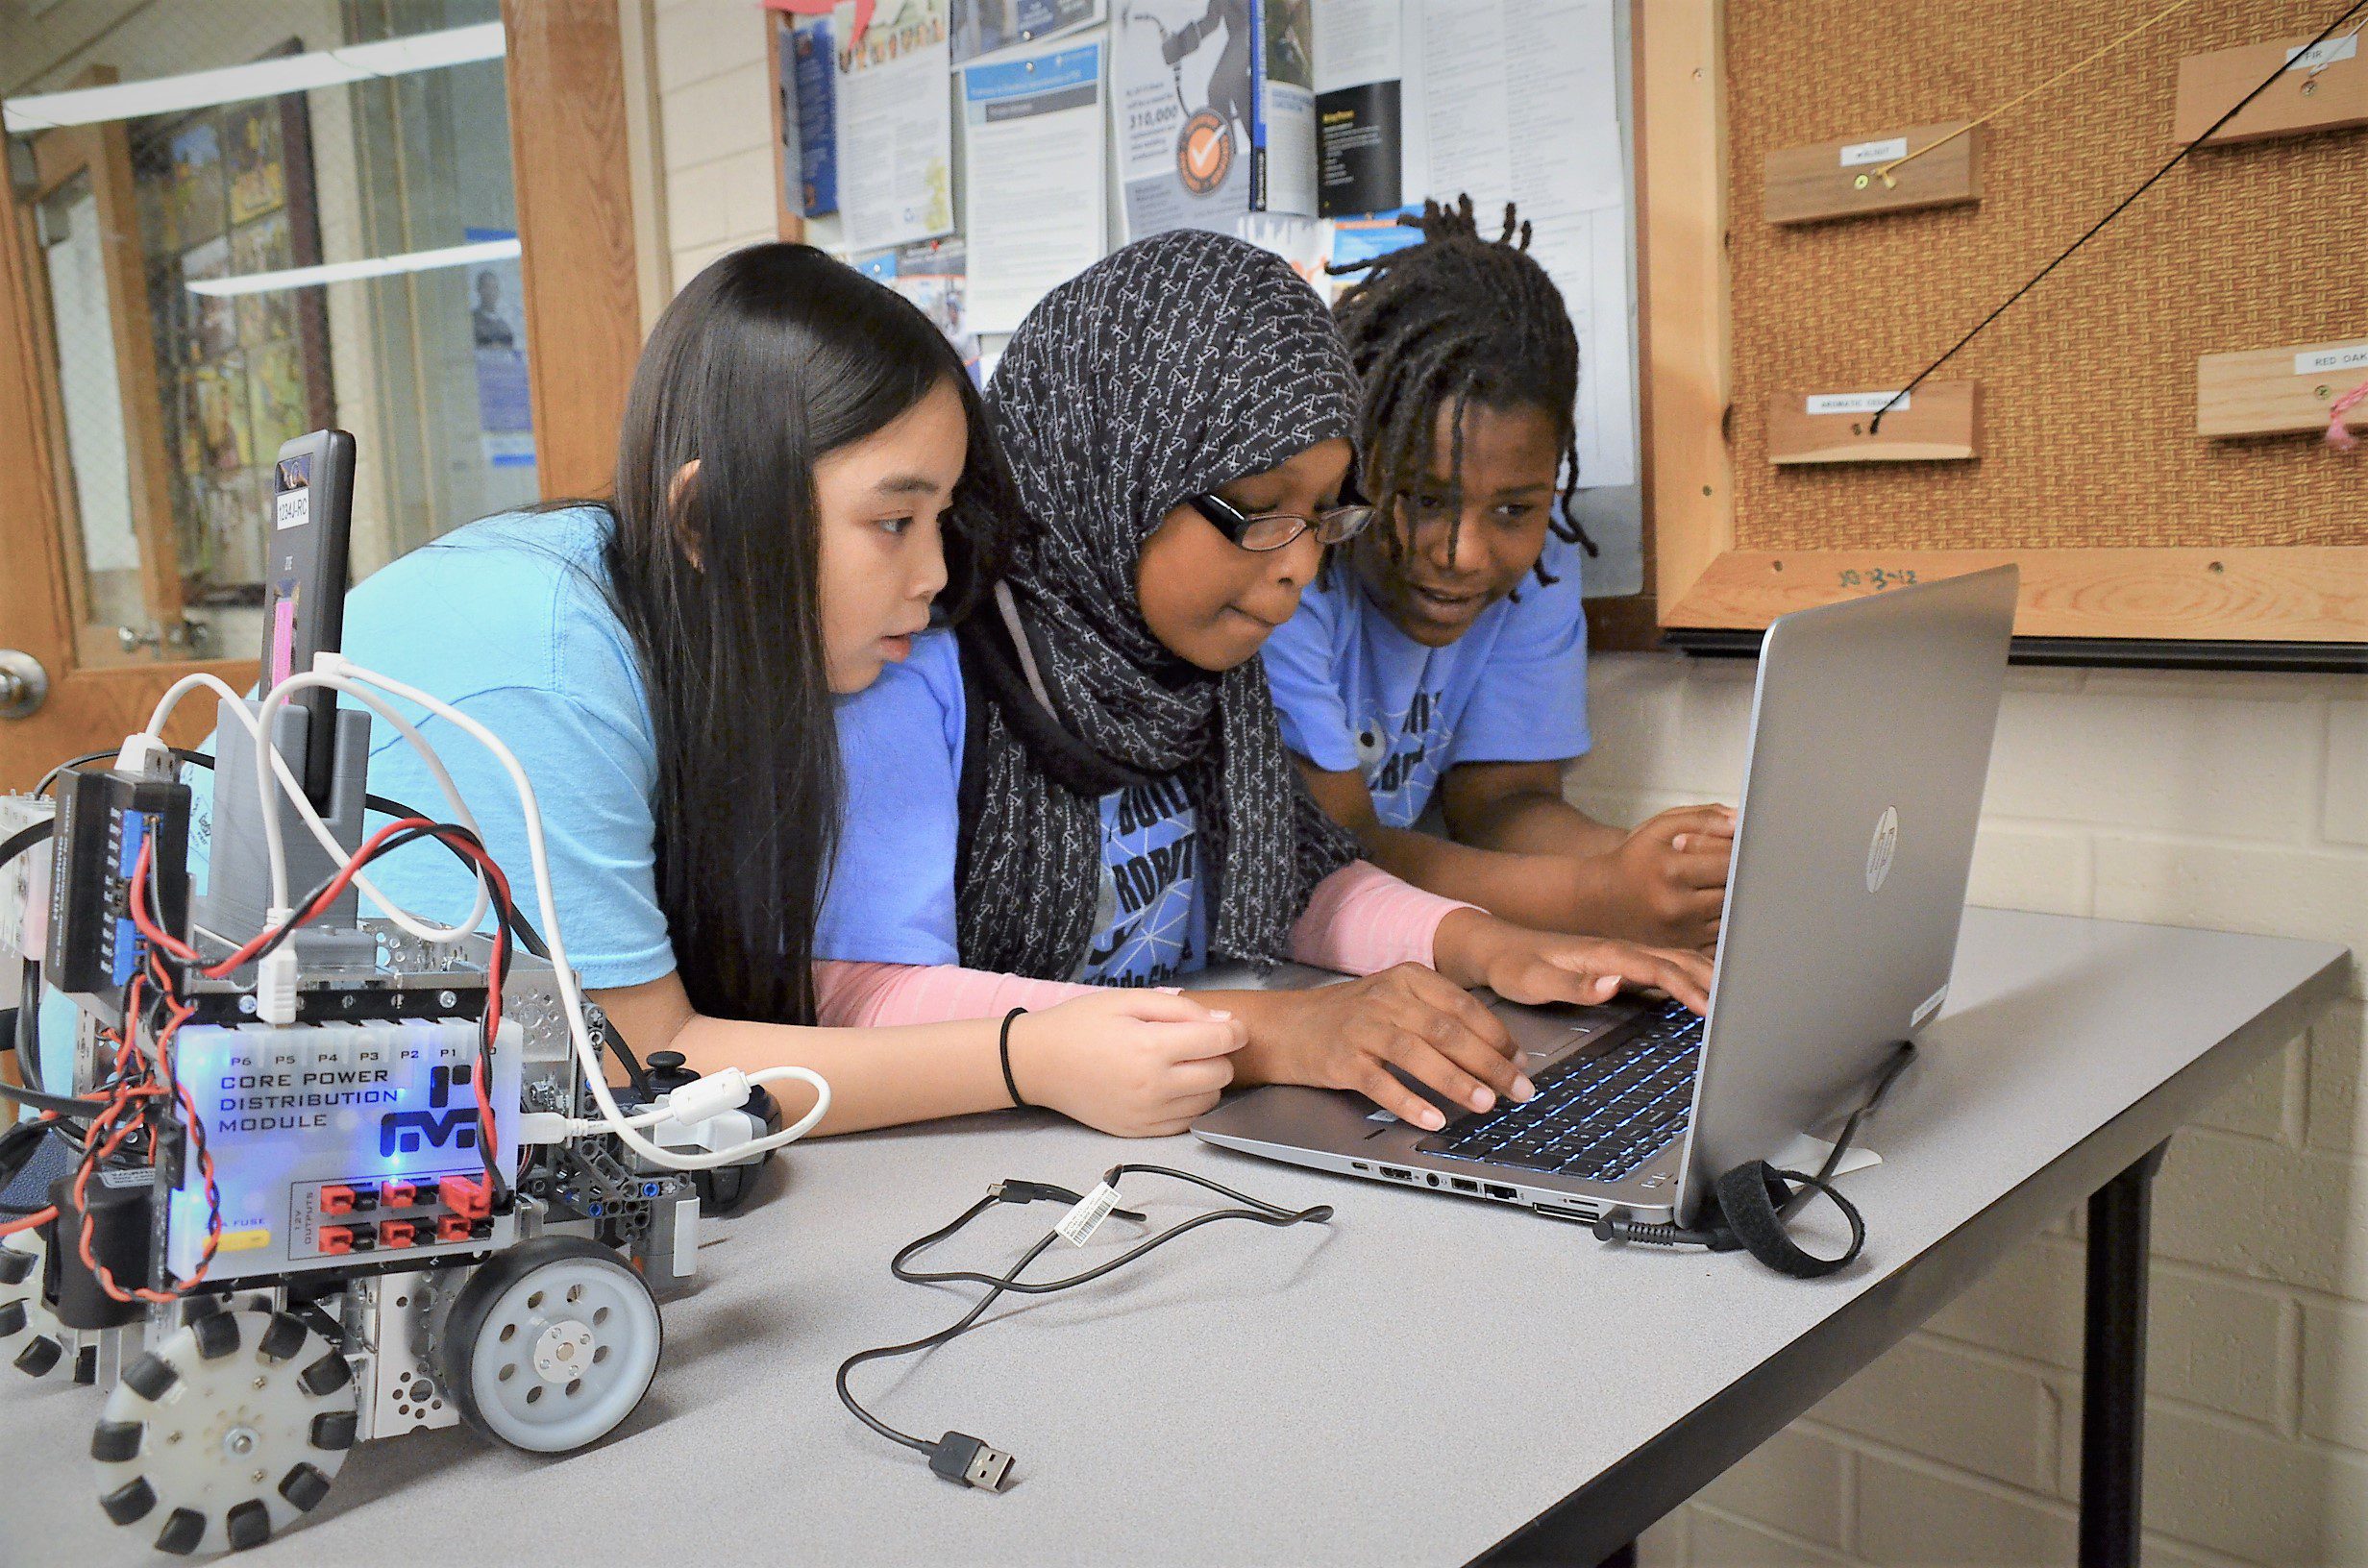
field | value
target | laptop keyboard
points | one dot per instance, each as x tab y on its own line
1596	1115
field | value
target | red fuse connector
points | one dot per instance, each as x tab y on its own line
398	1195
467	1196
336	1240
336	1200
398	1233
452	1228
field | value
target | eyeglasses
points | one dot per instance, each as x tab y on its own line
1272	530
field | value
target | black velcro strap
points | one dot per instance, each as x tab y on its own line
1751	1201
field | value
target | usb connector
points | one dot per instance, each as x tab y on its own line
960	1456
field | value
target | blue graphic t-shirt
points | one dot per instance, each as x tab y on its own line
1355	694
892	897
1150	925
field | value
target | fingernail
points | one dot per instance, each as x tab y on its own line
1678	844
1524	1090
1482	1098
1219	1012
1431	1119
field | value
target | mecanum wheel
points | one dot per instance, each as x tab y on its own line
550	1344
231	1430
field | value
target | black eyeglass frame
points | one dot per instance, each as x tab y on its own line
1334	526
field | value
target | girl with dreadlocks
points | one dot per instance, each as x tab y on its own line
1442	656
1088	785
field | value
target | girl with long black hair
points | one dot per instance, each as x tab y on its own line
1103	747
803	470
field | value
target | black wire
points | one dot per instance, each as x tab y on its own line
1264	1213
1876	424
24	838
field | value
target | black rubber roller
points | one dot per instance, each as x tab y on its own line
130	1502
248	1526
303	1486
325	1376
217	1334
332	1431
151	1376
113	1442
182	1533
11	1314
38	1356
15	1267
283	1338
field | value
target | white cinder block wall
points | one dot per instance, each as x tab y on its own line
2238	801
2226	800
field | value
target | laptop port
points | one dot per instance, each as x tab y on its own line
1577	1217
1428	1177
1463	1185
1394	1174
1358	1164
1505	1192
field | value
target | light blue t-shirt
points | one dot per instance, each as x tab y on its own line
508	620
1355	694
900	747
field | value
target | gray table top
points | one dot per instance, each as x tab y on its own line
1409	1383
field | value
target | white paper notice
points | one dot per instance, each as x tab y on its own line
1032	178
896	125
1516	100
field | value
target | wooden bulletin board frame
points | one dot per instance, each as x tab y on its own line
2297	606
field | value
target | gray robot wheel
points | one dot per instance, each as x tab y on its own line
551	1345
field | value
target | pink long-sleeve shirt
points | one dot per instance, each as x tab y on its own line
1360	921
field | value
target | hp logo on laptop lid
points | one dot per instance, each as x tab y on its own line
1879	850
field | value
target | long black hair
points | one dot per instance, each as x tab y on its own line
771	358
1457	319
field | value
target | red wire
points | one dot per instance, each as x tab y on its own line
40	1216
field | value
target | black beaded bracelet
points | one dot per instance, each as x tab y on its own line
1002	1049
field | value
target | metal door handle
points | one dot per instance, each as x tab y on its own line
24	685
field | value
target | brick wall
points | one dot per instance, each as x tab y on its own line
2238	801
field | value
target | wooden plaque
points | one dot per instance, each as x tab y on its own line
2297	105
1844	179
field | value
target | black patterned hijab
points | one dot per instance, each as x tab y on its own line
1177	365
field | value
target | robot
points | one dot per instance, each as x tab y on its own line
330	1186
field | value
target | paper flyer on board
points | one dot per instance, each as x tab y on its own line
1474	71
1034	178
1213	107
1359	47
985	27
934	275
895	124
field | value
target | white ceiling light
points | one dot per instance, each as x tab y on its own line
346	272
263	79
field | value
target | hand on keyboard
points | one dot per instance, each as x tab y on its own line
1349	1036
1475	948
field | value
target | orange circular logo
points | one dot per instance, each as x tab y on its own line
1204	152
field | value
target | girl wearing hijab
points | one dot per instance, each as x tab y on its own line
1092	763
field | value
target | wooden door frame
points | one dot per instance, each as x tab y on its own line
103	154
572	172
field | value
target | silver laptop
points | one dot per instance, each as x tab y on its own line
1870	742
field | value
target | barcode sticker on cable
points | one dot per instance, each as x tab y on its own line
1086	1218
2300	59
1873	152
1857	402
2343	356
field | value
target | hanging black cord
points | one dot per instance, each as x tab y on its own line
1876	424
961	1457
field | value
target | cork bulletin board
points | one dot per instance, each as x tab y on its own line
2087	463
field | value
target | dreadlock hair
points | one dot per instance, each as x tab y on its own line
1456	319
